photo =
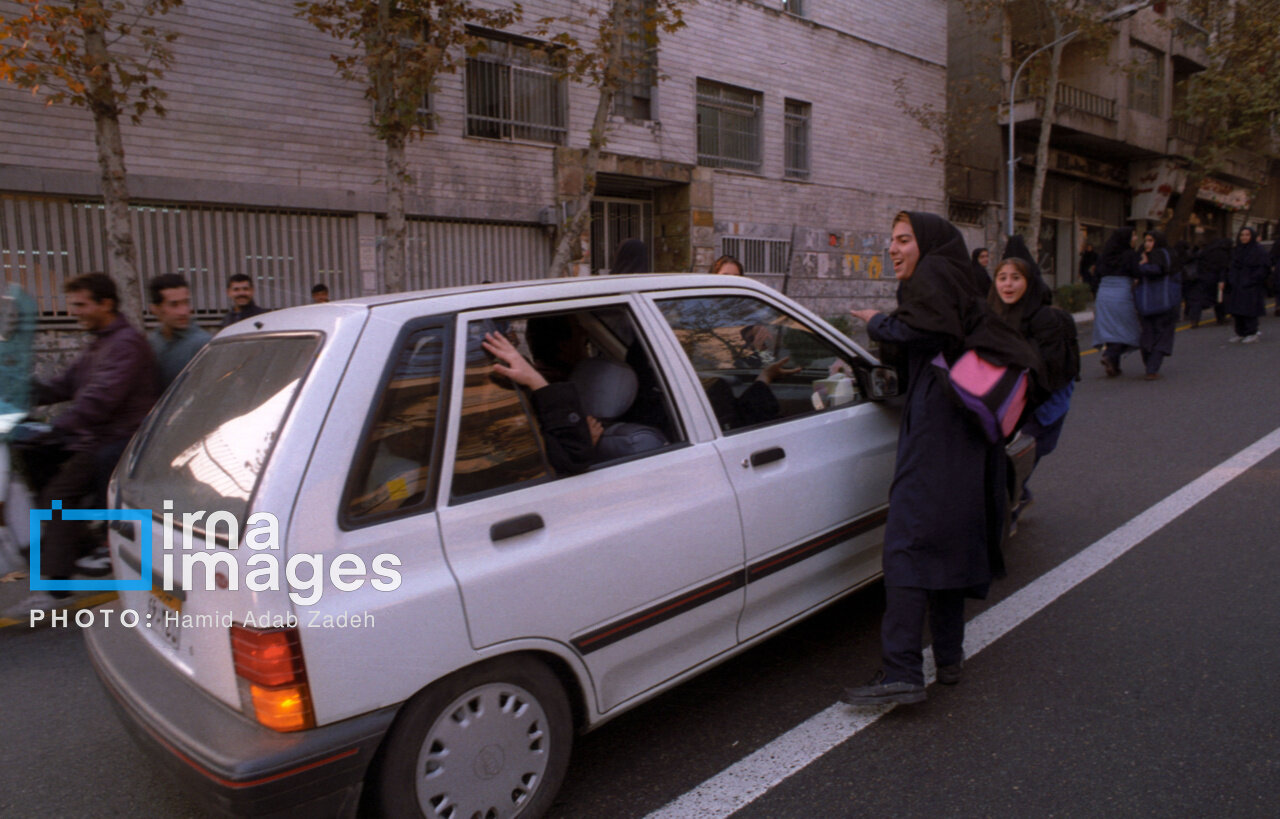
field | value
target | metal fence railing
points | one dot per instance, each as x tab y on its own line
46	241
1086	101
763	256
459	253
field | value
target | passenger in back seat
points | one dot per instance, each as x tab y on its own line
572	414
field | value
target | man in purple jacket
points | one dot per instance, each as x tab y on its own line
111	386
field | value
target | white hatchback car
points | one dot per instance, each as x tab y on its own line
380	571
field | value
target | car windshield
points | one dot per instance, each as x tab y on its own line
205	447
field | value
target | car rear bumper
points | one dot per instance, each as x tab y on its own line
224	760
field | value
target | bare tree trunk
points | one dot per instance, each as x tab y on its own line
122	252
591	164
570	233
1049	107
397	175
1186	205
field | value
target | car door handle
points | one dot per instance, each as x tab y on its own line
515	526
765	456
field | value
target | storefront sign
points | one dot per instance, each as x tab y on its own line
1225	195
1153	183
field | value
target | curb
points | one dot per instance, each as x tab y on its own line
73	604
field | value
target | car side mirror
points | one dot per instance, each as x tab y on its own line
882	383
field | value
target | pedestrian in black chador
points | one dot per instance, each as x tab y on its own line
1115	326
948	500
1210	282
1246	278
1157	272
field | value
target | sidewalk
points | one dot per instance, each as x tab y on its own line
15	587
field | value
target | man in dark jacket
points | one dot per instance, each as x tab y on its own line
111	387
177	339
240	291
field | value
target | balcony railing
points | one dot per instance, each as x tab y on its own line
1077	99
1188	132
1190	32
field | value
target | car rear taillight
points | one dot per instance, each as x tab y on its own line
272	677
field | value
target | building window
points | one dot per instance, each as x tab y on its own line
797	139
795	7
513	93
758	256
1146	80
639	63
728	126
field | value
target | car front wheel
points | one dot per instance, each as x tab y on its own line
488	741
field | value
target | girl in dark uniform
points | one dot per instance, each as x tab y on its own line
947	502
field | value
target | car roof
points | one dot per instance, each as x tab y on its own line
327	317
570	287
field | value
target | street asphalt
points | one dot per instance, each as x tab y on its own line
1147	689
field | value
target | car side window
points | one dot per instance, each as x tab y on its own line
498	443
757	363
394	467
604	400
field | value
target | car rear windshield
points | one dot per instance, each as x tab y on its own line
206	446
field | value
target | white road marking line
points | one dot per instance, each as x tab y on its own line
751	777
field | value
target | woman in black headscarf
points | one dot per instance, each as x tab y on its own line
633	257
1246	278
1211	277
981	260
948	498
1155	264
1275	274
1023	300
1115	318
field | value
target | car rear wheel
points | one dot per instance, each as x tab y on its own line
489	741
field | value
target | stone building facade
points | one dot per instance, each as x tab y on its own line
1116	148
266	163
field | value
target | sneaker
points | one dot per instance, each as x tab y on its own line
95	564
1253	339
36	601
879	692
1234	339
1027	499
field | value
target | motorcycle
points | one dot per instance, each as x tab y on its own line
17	331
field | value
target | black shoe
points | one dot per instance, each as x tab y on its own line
95	564
1110	367
950	674
879	692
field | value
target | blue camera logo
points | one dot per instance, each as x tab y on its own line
143	518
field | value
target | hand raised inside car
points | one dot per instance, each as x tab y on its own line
777	368
510	363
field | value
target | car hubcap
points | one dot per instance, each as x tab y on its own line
484	756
